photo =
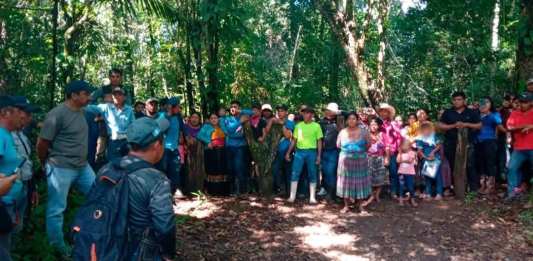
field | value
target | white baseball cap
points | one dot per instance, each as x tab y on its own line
333	107
266	107
530	81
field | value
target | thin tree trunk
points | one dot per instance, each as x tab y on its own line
495	44
293	56
525	47
55	49
213	61
383	13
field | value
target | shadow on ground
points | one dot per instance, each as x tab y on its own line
256	229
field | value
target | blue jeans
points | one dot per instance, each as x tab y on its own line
170	164
307	157
238	166
329	161
393	175
438	184
59	181
116	149
281	171
406	181
514	177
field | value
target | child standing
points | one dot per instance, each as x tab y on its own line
428	150
407	161
377	159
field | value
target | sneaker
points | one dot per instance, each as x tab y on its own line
322	192
438	197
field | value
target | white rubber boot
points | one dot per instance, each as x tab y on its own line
294	186
312	193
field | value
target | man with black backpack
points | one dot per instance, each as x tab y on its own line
128	214
151	216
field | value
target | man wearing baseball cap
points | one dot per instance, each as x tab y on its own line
151	108
117	116
9	162
307	142
171	162
150	201
520	124
24	149
62	150
331	124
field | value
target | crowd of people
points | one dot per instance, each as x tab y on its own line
345	156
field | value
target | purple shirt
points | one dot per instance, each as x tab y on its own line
192	131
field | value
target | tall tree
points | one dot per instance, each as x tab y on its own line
352	35
524	60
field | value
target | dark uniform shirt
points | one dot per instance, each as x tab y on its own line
150	206
331	131
451	116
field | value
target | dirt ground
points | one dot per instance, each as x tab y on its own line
254	229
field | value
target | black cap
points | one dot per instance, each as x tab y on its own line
525	97
24	104
6	101
308	109
78	86
144	131
282	107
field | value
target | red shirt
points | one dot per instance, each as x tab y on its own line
522	141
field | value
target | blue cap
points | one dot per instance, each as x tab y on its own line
78	86
144	131
24	104
525	97
6	101
173	101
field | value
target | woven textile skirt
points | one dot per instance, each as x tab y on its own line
217	181
377	170
353	179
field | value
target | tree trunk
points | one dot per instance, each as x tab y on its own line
212	44
383	14
352	37
495	44
525	42
55	50
263	154
461	161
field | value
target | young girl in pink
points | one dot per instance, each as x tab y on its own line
406	170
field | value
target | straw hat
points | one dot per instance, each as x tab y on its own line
386	106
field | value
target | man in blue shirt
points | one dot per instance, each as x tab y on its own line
281	169
170	163
117	116
237	147
9	161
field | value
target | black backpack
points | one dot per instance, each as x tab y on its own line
100	227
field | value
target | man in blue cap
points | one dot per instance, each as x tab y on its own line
62	150
171	162
117	116
151	215
9	162
24	150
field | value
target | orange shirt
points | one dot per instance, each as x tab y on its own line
217	137
522	141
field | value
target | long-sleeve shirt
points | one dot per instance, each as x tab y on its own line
117	120
232	127
391	136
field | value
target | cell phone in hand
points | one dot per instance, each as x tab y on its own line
17	169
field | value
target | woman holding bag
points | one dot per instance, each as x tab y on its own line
428	151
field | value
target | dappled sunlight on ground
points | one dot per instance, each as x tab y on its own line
257	229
